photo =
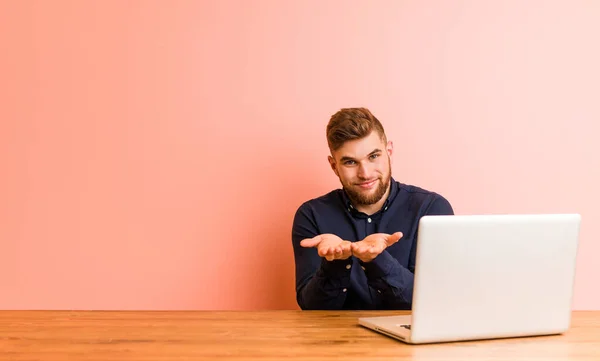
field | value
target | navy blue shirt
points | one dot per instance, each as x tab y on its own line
384	283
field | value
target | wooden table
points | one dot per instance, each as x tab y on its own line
270	335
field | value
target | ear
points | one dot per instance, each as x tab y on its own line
333	165
390	149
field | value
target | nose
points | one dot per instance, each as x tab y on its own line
364	171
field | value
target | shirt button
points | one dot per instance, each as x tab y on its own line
385	209
348	266
369	220
363	268
379	291
344	290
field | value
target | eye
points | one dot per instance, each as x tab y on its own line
349	162
373	156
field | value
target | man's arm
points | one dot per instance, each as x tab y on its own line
320	284
391	283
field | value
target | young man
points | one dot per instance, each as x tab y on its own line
355	247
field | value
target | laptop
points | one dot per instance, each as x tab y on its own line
488	276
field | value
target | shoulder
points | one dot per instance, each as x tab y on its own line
431	201
322	204
325	201
313	216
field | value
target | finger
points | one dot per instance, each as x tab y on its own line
330	251
323	251
311	242
393	238
348	250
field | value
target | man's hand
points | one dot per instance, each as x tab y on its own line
372	246
329	246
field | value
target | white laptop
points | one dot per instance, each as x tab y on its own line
489	276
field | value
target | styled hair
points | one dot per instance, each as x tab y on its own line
350	124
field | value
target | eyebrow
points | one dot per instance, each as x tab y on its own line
346	158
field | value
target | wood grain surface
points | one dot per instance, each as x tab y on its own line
264	335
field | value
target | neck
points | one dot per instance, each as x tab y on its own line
375	207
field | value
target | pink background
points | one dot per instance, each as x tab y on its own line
153	153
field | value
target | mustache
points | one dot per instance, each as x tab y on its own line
361	181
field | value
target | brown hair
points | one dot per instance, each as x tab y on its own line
350	124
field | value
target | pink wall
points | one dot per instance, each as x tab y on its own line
153	153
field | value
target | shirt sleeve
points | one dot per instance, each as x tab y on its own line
391	283
320	284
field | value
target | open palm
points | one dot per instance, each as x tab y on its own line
329	246
372	246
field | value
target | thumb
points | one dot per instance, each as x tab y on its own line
393	238
311	242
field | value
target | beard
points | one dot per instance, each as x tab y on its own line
358	197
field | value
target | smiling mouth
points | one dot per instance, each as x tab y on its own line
367	184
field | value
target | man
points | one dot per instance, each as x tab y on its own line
355	247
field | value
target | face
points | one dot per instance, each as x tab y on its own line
364	168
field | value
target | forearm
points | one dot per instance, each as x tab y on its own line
391	283
327	289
